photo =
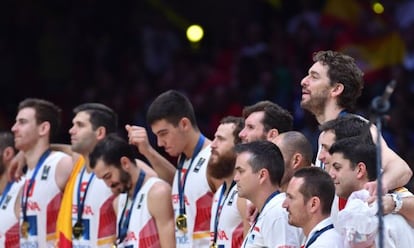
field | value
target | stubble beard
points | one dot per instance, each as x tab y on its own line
316	103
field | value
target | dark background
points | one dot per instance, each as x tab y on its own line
124	53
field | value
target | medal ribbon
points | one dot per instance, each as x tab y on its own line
25	195
5	192
317	234
81	201
181	184
220	208
123	224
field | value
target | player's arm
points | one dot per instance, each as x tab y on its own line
62	148
15	168
160	207
407	209
63	171
115	204
242	207
138	136
396	172
146	168
401	202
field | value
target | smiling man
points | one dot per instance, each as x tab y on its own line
331	89
143	206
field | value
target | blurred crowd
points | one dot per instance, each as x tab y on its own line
125	53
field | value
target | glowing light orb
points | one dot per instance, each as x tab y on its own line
195	33
378	8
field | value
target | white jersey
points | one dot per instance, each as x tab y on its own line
43	204
329	238
98	218
142	230
9	224
230	221
272	229
198	199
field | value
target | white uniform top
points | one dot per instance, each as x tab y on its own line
328	239
397	232
402	192
142	230
230	222
9	224
98	218
272	229
43	204
198	200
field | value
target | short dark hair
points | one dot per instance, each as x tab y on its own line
6	140
349	125
294	141
110	150
274	116
343	69
45	111
357	151
238	122
264	155
100	115
171	106
317	182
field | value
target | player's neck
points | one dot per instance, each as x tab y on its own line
134	172
33	155
315	220
193	138
330	112
263	197
3	181
87	163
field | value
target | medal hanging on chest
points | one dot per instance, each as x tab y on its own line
181	222
78	229
25	226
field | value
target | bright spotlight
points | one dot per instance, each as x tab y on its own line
195	33
378	8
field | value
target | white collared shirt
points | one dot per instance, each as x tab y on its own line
328	239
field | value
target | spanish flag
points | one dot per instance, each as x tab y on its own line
375	51
64	221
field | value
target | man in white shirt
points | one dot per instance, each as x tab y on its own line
228	222
259	170
309	197
353	164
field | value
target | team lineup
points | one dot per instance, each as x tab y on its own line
254	184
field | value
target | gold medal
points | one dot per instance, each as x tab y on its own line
114	246
181	222
25	229
77	230
213	245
